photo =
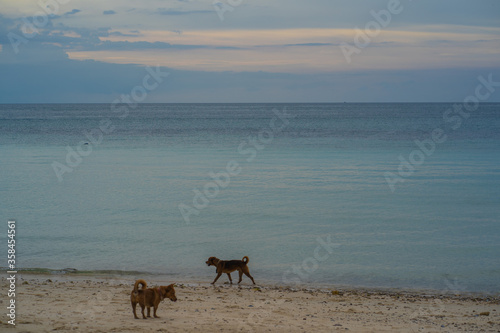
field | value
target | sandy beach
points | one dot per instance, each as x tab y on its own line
46	303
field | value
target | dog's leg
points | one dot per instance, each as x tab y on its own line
251	278
247	273
134	305
154	311
142	311
217	277
240	273
229	276
149	312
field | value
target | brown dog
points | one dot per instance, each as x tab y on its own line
150	297
229	266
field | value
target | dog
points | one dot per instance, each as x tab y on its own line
150	297
229	266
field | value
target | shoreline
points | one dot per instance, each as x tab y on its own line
102	304
104	275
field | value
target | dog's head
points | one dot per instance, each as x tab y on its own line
212	261
168	292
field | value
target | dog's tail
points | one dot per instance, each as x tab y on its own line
245	261
137	283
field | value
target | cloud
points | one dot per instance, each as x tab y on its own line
310	44
133	33
307	50
133	46
73	12
44	74
33	54
108	12
6	26
177	12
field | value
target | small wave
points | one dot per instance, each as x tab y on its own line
74	271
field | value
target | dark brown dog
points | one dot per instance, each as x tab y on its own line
150	297
229	266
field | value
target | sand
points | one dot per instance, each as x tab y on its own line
90	304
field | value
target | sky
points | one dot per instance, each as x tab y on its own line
222	51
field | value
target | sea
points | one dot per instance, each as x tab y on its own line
380	196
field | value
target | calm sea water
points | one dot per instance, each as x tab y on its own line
289	177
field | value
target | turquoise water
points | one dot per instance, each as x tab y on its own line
318	171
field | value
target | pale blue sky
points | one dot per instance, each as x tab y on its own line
248	51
